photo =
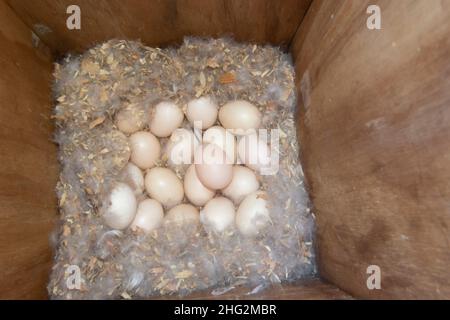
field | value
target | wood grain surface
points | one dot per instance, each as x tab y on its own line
159	23
28	170
375	132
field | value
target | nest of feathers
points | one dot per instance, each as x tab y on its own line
89	90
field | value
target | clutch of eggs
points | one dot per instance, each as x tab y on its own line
221	194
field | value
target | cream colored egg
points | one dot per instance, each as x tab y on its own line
130	119
183	214
149	215
254	152
119	207
145	149
243	183
163	185
181	147
212	167
223	139
202	112
253	213
195	191
240	117
218	214
165	117
134	177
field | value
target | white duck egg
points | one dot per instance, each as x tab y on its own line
253	213
218	214
223	139
163	185
243	183
165	117
134	177
195	191
212	167
183	214
202	112
145	149
149	215
240	117
120	207
254	152
181	147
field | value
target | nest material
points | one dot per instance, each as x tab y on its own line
90	89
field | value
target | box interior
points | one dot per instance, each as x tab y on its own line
372	121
